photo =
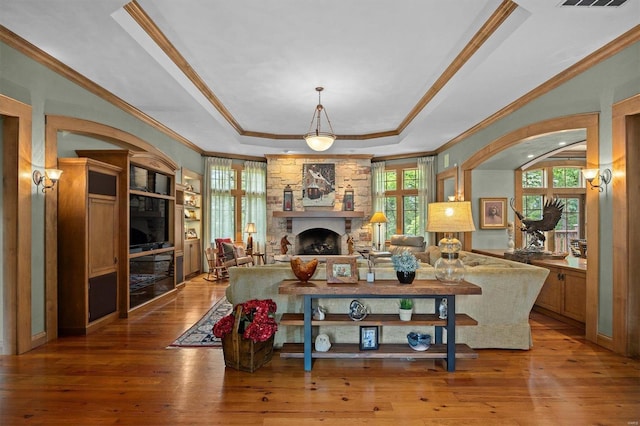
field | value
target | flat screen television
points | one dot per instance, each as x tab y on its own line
149	223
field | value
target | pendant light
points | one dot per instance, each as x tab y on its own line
317	139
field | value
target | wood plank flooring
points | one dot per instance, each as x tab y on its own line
124	374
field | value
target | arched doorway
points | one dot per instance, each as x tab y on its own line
589	122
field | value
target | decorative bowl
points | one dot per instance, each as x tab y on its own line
419	341
303	271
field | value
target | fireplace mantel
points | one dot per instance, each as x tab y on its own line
307	214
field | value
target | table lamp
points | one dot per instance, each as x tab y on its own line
250	229
379	218
450	217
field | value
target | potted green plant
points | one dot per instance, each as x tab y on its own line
405	265
406	309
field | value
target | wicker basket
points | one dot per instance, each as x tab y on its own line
243	354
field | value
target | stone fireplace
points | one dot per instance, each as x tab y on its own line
331	225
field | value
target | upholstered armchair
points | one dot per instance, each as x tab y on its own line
231	254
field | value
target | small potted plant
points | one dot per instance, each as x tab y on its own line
405	265
406	309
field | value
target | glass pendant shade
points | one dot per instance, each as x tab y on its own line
319	142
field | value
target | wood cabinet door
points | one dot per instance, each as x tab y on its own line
103	236
196	259
103	254
575	296
550	296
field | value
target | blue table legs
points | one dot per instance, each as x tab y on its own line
308	315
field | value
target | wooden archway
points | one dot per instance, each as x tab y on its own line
117	137
589	122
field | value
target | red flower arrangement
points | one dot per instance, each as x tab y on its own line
256	323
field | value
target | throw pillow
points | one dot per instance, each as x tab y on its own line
434	254
422	256
228	249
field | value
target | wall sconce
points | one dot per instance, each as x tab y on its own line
48	180
591	174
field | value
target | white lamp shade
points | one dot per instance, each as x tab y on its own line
319	142
590	174
53	174
250	228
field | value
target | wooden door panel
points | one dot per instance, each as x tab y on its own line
103	232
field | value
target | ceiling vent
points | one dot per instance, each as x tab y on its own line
589	3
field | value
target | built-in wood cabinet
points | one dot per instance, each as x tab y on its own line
564	293
88	244
192	257
147	230
192	213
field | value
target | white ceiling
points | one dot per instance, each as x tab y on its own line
263	59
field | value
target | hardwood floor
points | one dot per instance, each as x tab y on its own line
124	374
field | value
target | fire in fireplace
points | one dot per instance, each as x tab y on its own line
318	241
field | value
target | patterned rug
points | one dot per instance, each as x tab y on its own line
201	333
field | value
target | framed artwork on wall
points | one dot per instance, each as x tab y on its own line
342	269
318	184
493	213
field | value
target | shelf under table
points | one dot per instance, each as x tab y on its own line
388	350
292	319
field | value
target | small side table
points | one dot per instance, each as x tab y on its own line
259	256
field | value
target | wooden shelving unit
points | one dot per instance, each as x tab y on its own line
192	213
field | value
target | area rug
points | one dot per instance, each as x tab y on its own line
201	333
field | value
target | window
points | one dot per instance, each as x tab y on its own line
561	180
401	200
567	177
227	202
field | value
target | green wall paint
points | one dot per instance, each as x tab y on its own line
595	90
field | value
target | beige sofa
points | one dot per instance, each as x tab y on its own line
509	290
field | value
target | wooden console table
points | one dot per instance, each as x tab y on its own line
387	289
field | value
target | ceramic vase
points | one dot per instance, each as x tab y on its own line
405	314
406	277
